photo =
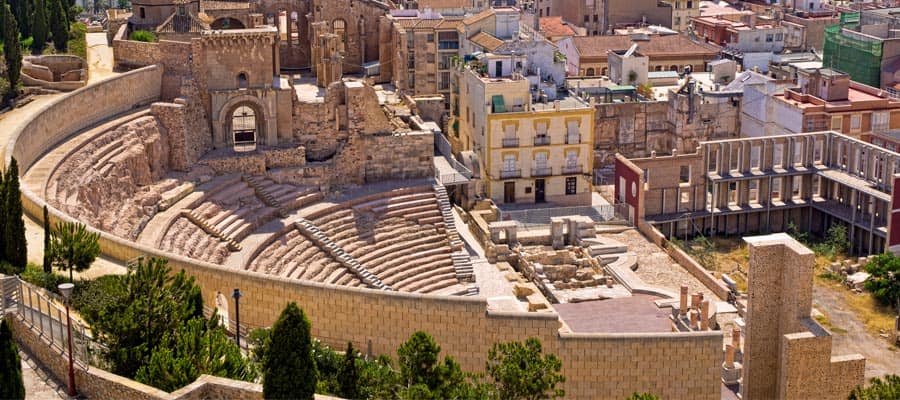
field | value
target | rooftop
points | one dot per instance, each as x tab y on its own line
655	46
555	26
634	314
713	8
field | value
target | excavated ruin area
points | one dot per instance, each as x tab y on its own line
115	180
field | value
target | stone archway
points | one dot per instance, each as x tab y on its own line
227	23
253	115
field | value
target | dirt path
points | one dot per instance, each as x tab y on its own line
880	359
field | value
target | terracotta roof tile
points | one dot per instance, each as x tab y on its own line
554	26
478	17
597	46
487	41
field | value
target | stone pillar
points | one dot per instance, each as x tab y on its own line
729	356
693	319
573	232
695	301
682	310
511	238
556	234
736	338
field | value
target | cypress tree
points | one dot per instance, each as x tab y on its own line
25	22
59	24
11	384
16	248
40	27
48	261
289	369
12	52
348	380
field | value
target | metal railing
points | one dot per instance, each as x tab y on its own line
541	140
571	169
541	171
510	173
510	142
573	139
46	316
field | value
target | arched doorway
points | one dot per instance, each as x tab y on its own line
227	23
590	72
244	128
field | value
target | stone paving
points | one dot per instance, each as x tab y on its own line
39	384
656	268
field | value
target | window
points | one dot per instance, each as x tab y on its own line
684	176
430	38
769	38
779	37
571	185
776	189
590	72
509	162
881	121
677	22
429	58
595	17
836	123
587	18
753	187
143	13
855	122
690	4
732	194
540	160
242	80
796	181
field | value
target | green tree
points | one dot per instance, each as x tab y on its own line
424	376
48	262
642	396
153	303
40	27
59	24
520	371
259	343
348	380
289	369
73	247
15	248
25	22
11	384
194	348
884	282
879	389
12	52
836	239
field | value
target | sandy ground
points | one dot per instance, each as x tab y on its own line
880	359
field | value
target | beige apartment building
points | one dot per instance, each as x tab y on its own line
527	151
682	13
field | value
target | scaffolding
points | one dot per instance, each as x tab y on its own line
855	56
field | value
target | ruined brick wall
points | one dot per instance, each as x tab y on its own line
361	36
172	55
188	128
631	129
237	163
408	156
285	157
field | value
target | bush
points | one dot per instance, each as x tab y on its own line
885	280
35	275
289	368
91	297
143	36
77	40
11	384
889	388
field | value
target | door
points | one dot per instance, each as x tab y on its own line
539	191
509	192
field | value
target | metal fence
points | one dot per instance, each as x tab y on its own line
47	317
541	216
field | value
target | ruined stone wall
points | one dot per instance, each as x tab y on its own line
361	36
187	125
224	55
174	56
631	129
285	157
408	156
237	163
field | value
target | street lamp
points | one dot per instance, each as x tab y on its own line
66	290
237	315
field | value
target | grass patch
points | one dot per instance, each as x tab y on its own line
823	320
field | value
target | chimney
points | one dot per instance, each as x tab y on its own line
682	305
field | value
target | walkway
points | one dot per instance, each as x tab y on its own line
38	383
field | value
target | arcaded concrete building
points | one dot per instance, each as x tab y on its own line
745	186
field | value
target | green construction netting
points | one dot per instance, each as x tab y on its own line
859	58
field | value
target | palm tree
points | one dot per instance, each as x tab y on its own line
72	247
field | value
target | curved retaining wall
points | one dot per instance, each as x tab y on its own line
597	366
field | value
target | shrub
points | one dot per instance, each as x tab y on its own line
143	36
885	280
11	384
289	369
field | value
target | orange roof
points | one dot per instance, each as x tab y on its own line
487	41
554	26
668	45
478	17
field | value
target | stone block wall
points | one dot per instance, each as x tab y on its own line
237	163
285	157
187	125
173	55
403	156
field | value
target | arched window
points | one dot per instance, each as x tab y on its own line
603	72
339	27
673	68
590	72
243	127
242	80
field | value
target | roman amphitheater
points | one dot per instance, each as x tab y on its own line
320	188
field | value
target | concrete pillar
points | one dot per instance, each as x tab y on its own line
682	310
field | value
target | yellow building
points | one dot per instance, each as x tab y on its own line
532	144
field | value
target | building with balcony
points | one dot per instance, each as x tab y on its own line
825	99
765	184
422	47
531	142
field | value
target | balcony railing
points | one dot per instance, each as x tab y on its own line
510	142
571	169
510	173
541	171
573	139
541	140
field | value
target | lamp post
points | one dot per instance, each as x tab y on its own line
237	315
66	290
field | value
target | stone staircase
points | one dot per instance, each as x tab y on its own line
461	260
322	240
264	195
198	220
